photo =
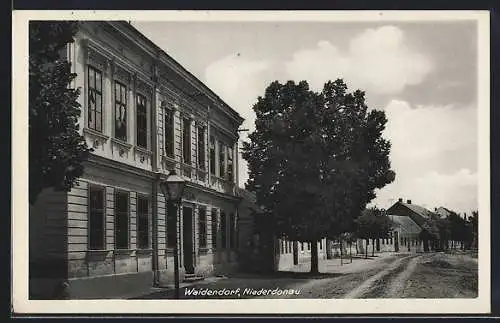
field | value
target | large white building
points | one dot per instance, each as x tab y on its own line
144	115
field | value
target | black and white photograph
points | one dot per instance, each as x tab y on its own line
334	162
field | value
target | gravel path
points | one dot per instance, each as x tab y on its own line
368	284
397	286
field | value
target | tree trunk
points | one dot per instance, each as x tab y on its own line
350	250
295	246
341	251
314	257
426	245
378	245
373	247
329	253
366	248
357	250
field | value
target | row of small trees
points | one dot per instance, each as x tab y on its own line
455	229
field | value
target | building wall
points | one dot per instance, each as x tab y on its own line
121	55
48	244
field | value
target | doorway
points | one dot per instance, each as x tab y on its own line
187	241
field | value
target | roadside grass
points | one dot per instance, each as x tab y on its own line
443	276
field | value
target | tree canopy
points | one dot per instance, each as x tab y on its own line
56	149
373	224
315	159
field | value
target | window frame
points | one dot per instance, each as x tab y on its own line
140	215
213	155
120	104
214	226
139	115
230	167
186	142
117	213
201	149
102	190
222	160
202	227
169	132
92	89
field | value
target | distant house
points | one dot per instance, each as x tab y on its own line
442	212
415	226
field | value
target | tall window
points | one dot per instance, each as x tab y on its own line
223	230
201	148
121	220
96	218
212	155
301	246
142	122
202	227
142	222
230	173
94	99
169	132
186	141
222	159
214	228
120	111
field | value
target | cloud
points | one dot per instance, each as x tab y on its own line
378	61
239	81
434	154
456	191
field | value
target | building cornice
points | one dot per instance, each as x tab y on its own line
153	50
115	165
162	177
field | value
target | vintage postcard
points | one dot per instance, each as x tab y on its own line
251	162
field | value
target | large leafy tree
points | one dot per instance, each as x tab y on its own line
315	159
56	149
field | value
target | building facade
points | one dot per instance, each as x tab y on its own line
144	115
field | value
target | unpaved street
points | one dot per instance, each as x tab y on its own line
433	275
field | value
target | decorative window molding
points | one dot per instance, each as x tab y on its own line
143	155
122	147
96	137
143	87
120	74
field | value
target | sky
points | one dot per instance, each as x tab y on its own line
422	74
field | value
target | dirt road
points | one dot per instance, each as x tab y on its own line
434	275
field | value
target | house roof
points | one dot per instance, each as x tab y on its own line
406	224
426	214
443	212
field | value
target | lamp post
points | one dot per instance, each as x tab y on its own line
173	188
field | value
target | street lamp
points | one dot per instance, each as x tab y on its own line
172	188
